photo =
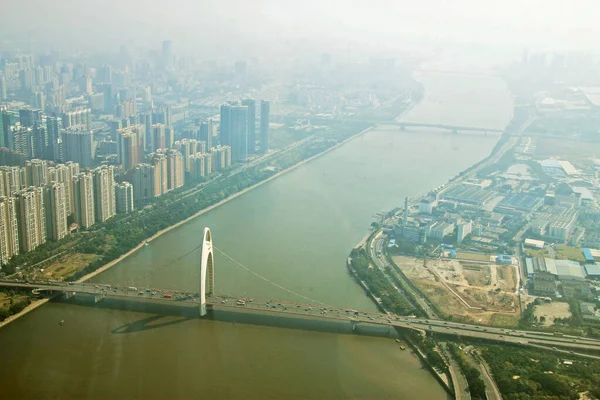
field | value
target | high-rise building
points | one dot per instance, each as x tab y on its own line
159	162
221	157
106	73
39	100
169	137
22	139
96	102
206	133
12	180
239	133
9	229
3	94
64	173
8	121
56	211
78	146
104	193
175	169
225	125
146	182
83	189
30	117
77	118
146	120
54	135
200	165
37	172
158	137
31	218
125	109
124	195
27	79
106	90
39	137
127	149
265	111
188	148
251	104
38	73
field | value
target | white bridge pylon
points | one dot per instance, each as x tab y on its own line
207	270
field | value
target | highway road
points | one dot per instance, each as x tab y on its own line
461	386
377	255
571	344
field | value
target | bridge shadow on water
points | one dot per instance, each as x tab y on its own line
187	311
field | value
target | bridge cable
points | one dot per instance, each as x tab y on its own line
268	280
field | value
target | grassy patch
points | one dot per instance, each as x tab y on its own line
564	252
473	256
67	265
542	253
505	320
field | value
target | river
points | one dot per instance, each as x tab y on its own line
295	231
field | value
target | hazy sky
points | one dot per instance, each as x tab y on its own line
235	25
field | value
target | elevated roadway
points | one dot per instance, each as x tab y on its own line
571	344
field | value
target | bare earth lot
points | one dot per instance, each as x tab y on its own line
468	291
550	311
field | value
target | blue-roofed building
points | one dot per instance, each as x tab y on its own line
589	257
592	271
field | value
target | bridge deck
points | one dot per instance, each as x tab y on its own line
529	338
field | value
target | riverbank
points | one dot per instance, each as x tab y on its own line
34	305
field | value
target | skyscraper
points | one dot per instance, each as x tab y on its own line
221	157
3	95
239	133
265	111
54	133
225	125
169	137
159	162
83	189
124	195
37	172
251	104
10	180
104	193
30	117
31	218
56	211
64	173
9	229
79	147
158	137
206	133
175	169
127	149
146	182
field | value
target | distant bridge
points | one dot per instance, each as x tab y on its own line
207	298
401	124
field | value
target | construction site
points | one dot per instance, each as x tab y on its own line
470	291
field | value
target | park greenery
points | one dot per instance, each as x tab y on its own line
532	374
429	347
379	284
472	374
13	302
